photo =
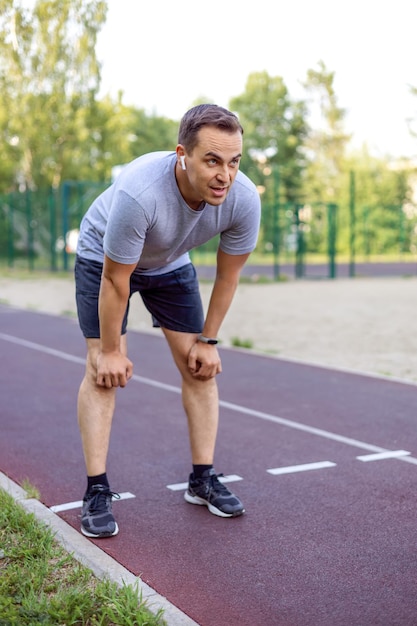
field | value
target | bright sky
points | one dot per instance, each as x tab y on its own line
164	54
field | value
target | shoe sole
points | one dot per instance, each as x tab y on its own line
201	502
87	533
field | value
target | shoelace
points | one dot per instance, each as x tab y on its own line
215	483
98	503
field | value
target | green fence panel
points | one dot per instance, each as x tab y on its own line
38	230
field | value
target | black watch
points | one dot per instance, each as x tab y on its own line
208	340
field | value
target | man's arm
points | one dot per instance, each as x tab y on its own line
113	368
204	361
225	284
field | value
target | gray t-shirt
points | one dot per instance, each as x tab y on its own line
142	218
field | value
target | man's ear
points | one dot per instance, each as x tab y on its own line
181	157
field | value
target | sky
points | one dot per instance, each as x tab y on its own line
165	54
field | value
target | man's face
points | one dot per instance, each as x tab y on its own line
211	167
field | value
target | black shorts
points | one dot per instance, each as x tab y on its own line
173	299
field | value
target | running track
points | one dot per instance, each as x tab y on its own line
329	537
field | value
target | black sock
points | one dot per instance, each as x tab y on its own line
101	479
198	470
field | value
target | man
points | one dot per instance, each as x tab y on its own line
136	237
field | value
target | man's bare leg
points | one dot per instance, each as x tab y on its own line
95	412
200	400
95	415
201	404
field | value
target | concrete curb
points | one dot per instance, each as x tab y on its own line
101	564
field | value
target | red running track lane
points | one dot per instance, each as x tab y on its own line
335	545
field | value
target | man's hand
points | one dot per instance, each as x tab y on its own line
204	361
113	370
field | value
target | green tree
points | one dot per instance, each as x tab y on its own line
49	78
120	134
327	140
275	130
382	194
150	133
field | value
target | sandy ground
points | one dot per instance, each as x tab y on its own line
365	325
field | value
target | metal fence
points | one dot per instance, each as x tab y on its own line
38	230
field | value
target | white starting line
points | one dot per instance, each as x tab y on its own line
223	479
377	453
307	467
376	450
58	508
275	471
389	454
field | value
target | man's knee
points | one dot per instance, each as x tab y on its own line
199	385
93	348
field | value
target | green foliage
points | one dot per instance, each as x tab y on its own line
121	134
55	134
241	343
274	132
327	141
385	219
30	489
41	584
52	125
49	76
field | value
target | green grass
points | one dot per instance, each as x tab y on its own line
23	273
40	583
258	258
31	491
241	343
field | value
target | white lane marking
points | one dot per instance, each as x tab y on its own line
312	430
390	454
231	478
306	467
228	405
57	508
76	359
40	348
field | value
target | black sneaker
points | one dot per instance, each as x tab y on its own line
96	515
209	491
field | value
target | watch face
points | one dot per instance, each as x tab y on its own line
212	342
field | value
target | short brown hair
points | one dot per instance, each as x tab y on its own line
205	115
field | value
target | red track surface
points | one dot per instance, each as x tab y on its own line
332	546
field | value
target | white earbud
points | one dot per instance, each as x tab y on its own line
182	161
